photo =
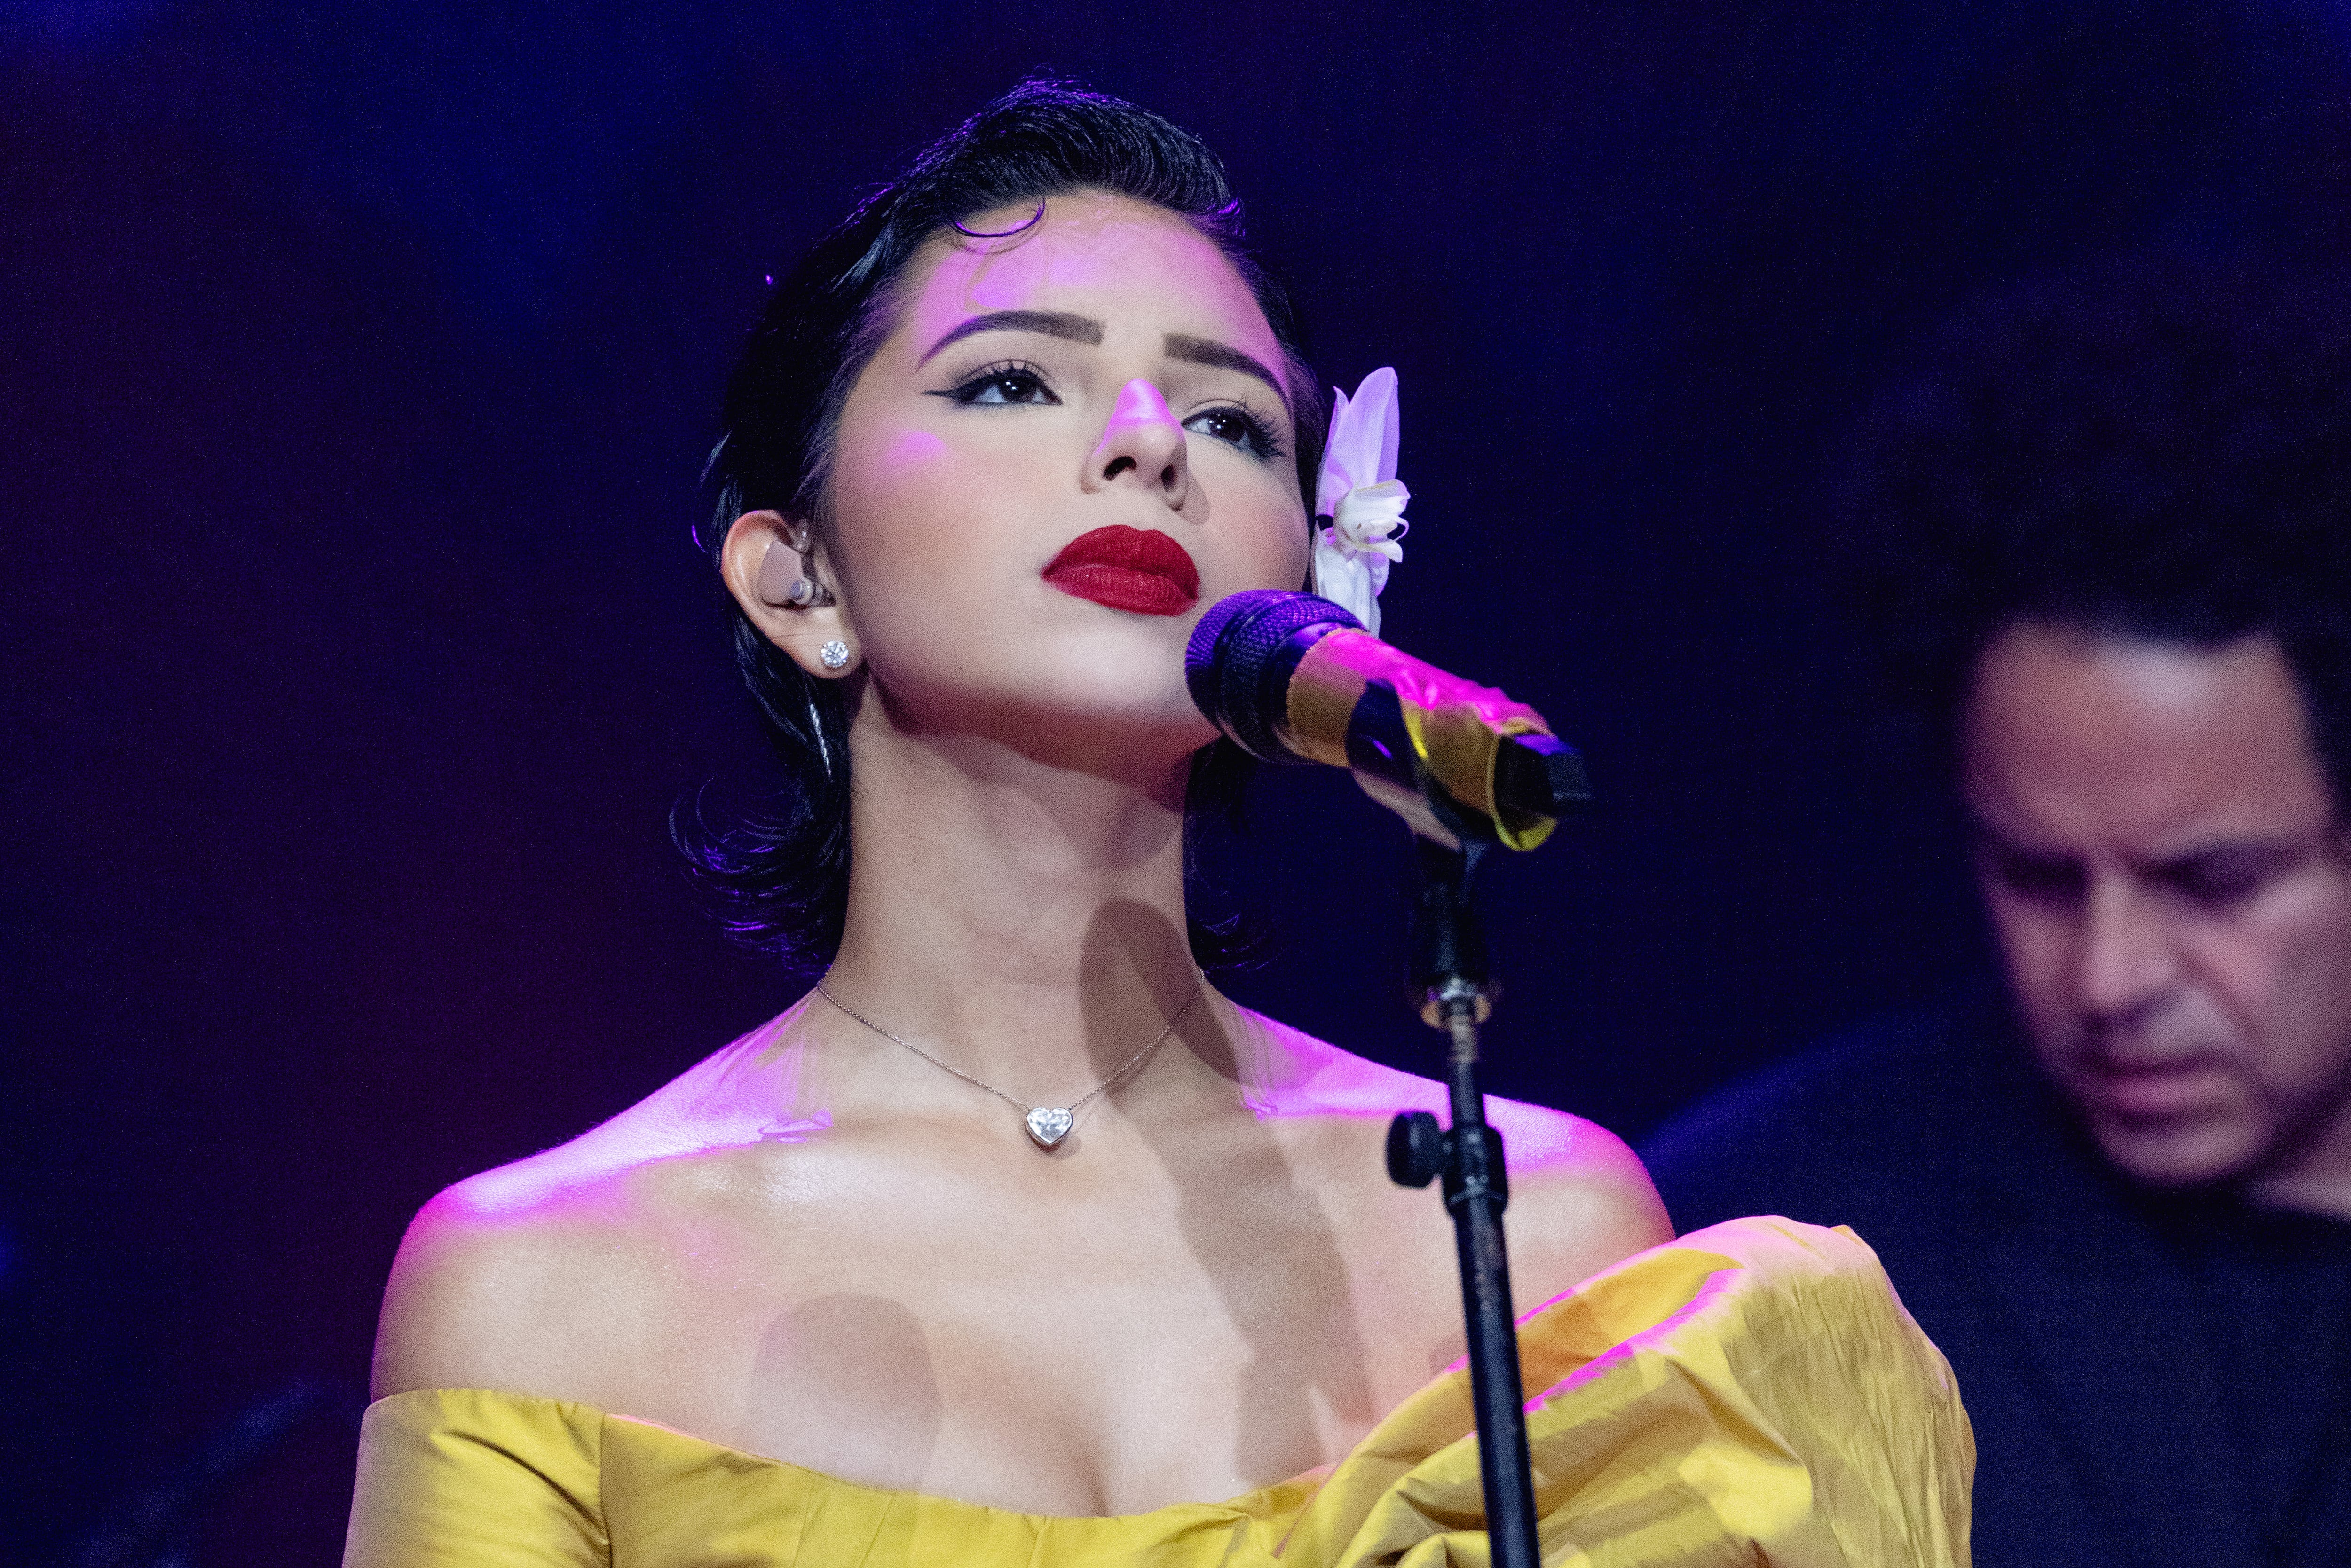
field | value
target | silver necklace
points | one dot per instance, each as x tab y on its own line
1046	1125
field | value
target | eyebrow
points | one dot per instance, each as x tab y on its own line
1207	351
2268	851
1053	323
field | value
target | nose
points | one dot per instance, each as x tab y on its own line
1141	444
2124	959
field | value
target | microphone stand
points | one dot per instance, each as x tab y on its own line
1449	964
1244	667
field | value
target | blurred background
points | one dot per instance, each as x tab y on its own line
358	365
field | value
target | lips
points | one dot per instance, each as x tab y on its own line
1128	568
2157	1092
2151	1081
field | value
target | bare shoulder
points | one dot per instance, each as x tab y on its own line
1580	1199
531	1277
470	1283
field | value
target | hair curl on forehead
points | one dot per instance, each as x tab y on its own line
2160	450
1023	226
782	883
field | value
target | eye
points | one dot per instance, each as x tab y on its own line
1007	383
1236	427
2049	880
2224	877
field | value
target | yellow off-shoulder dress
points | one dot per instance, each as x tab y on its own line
1752	1394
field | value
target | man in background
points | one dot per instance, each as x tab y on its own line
2108	550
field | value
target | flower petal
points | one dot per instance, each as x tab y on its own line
1370	518
1356	447
1332	481
1348	580
1376	406
1357	490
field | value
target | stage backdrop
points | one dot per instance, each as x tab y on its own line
359	362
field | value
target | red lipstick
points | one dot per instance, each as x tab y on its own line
1128	568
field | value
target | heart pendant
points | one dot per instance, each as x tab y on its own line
1049	1125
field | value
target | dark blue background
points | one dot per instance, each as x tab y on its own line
358	364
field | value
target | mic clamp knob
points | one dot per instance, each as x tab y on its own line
1415	1149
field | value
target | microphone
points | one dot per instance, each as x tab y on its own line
1292	678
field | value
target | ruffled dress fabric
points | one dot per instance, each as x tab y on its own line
1751	1394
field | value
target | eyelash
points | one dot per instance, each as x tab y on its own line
1258	438
1258	441
966	391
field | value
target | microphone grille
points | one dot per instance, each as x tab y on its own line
1234	667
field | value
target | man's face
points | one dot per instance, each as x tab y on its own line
2160	856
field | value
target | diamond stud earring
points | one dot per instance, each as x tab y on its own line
834	654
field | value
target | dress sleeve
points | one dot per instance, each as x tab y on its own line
1751	1394
465	1477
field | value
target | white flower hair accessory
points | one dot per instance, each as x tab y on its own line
1359	499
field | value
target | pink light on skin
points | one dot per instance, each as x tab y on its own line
754	1091
1105	236
1140	403
796	1130
912	450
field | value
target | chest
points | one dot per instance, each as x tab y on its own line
1141	1343
2184	1361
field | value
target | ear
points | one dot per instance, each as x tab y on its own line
765	554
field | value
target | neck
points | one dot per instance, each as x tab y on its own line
1019	919
2318	1181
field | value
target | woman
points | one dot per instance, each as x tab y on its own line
1013	1238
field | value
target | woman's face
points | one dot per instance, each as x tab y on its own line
1076	439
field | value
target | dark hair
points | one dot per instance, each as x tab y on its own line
2160	450
782	882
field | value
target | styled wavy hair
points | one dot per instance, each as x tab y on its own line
781	881
2157	450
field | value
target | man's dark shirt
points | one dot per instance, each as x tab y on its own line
2152	1378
